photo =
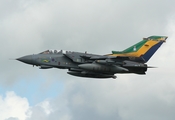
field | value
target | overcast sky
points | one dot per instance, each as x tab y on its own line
96	26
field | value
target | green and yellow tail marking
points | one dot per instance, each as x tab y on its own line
145	48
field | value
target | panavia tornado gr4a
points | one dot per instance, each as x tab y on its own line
130	60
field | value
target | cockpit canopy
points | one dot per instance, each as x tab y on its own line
53	52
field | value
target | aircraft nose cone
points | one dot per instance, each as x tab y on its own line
26	59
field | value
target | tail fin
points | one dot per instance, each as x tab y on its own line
144	49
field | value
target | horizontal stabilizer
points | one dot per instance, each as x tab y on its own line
151	67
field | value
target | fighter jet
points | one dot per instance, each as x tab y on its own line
130	60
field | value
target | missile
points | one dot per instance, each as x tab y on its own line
75	69
102	68
45	67
108	62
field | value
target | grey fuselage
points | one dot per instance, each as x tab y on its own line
84	64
